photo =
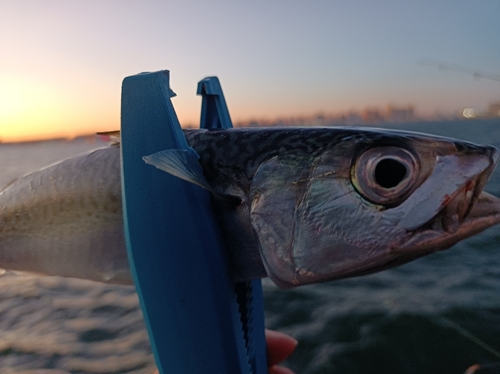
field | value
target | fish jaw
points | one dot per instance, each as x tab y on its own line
484	213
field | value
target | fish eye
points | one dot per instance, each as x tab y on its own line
385	175
390	172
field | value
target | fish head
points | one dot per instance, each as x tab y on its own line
373	200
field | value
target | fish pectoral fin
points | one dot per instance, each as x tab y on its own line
181	163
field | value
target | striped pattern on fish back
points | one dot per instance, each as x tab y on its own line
231	157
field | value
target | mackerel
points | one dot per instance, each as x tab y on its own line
300	205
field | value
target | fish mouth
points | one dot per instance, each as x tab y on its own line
465	213
484	212
463	217
468	212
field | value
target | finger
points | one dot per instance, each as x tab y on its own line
279	370
279	347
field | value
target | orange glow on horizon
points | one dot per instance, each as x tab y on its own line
36	131
34	110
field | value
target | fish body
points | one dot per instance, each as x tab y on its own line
300	205
66	219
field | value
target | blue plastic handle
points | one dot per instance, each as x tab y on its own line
189	304
215	114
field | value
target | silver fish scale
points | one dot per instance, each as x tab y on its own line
70	211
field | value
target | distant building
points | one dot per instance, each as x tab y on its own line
367	116
350	118
318	120
370	115
494	109
399	114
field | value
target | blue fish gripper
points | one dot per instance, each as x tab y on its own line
198	320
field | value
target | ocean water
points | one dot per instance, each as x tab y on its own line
439	314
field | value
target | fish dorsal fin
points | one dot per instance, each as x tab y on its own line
113	137
182	163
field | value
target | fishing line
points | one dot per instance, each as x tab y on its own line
468	335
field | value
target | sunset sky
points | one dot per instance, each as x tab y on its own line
62	62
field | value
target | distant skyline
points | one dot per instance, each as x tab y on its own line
62	63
